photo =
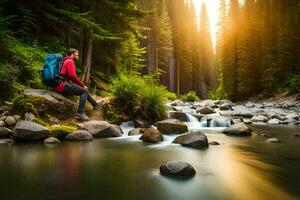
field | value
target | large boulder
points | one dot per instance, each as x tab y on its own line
81	135
5	133
177	169
30	131
151	135
102	129
2	124
195	140
240	129
205	110
171	126
51	103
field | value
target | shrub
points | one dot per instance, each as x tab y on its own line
171	96
138	96
190	96
20	66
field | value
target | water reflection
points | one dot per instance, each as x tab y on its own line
246	176
240	168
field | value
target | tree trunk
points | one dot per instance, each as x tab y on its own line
87	61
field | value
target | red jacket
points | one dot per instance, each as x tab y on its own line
69	72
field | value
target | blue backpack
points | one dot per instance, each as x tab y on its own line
51	72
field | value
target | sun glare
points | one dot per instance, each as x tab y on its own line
213	14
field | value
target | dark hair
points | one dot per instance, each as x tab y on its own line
71	51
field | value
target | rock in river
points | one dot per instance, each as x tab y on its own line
80	135
240	129
171	126
177	169
259	118
30	131
195	140
205	110
5	133
151	135
136	131
274	121
102	129
52	140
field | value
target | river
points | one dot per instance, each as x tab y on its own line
241	168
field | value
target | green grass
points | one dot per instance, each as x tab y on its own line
138	96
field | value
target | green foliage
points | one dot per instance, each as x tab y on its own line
20	66
139	96
258	48
130	56
171	96
220	92
113	113
22	105
191	96
294	84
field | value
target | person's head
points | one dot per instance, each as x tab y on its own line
74	53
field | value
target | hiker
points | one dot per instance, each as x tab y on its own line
73	86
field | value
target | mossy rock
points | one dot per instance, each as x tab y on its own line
62	131
43	103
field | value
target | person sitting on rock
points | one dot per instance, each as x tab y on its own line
73	86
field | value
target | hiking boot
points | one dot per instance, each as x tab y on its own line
81	116
97	106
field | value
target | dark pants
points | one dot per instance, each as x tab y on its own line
73	89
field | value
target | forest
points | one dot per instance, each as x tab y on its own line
256	52
150	99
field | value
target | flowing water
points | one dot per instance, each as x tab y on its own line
241	168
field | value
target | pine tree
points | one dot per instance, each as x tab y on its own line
130	56
165	48
206	53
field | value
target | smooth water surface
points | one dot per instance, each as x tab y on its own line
125	168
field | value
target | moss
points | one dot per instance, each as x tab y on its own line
40	121
62	131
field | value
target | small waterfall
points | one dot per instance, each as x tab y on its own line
191	118
127	126
215	121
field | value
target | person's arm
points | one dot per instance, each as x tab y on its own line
72	74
